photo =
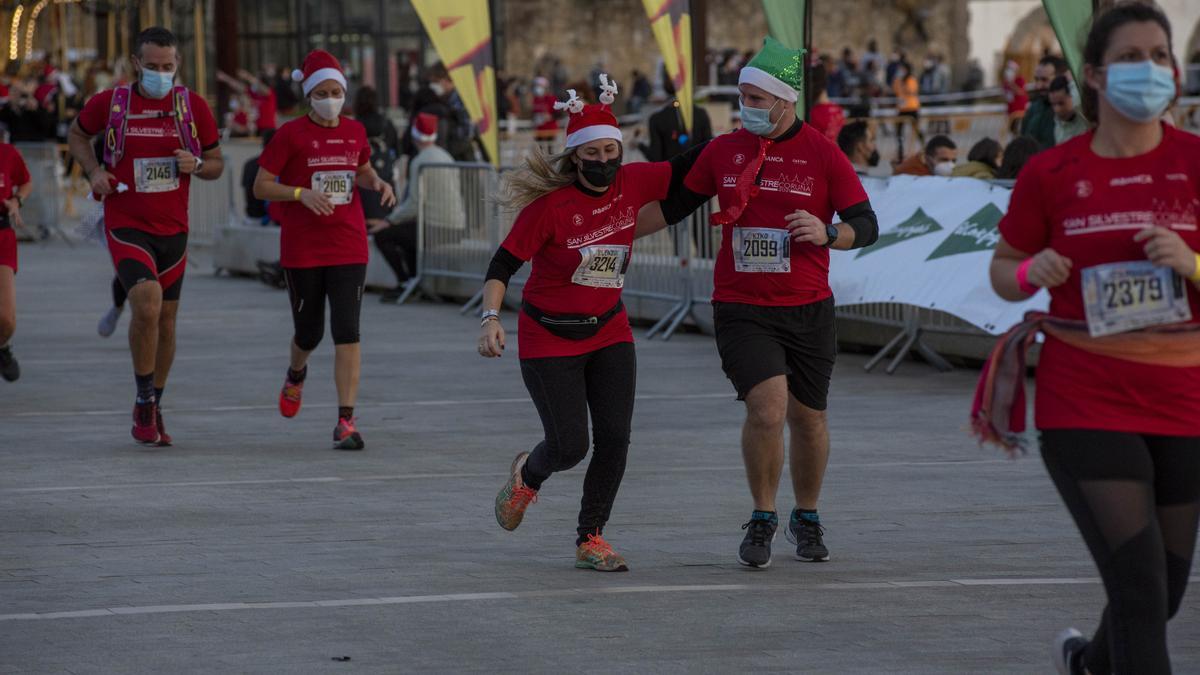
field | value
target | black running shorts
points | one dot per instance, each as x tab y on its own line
757	343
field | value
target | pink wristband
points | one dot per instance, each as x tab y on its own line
1023	278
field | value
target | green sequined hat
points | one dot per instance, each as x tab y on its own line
776	69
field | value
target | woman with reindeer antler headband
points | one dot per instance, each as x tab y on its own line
578	211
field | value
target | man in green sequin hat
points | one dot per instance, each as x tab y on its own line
779	183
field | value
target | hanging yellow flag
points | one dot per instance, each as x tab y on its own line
461	32
671	21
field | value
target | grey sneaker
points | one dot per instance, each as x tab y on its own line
755	550
10	370
808	536
1068	648
108	322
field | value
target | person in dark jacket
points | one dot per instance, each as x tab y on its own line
668	136
1038	122
385	149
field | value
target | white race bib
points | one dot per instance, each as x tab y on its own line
602	266
1125	296
339	185
156	174
762	249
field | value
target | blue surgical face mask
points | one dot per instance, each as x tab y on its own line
1140	91
156	84
758	120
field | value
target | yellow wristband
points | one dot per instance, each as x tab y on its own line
1196	275
296	194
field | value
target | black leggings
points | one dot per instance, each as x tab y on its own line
564	389
1136	501
307	289
118	293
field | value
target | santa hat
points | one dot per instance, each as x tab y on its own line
319	66
776	69
425	128
591	122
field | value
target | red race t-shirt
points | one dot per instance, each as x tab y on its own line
324	159
1088	208
13	172
828	118
567	234
805	171
157	198
267	106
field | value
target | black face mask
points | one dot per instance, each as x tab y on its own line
873	160
600	174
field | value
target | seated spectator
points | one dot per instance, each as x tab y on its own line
1019	150
397	238
256	209
1068	121
938	159
857	142
982	161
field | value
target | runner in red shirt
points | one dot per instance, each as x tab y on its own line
1109	222
152	147
779	182
577	223
15	187
310	170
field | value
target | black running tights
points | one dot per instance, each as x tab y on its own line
308	288
1136	501
564	390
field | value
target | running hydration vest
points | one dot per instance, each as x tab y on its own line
118	120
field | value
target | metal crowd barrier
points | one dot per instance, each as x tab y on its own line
210	207
457	225
46	204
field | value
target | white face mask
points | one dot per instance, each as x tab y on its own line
943	168
328	109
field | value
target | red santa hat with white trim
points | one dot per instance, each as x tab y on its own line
425	127
591	122
319	66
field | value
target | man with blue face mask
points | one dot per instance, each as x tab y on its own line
779	182
157	136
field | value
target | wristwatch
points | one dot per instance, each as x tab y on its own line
199	163
489	315
832	232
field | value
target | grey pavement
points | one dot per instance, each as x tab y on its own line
253	547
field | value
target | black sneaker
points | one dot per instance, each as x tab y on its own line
1068	648
10	370
807	536
756	547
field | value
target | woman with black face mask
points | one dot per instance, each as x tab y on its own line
578	210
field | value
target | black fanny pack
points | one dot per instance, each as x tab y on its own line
5	223
572	326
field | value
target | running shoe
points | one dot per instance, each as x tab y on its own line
145	430
756	546
10	370
1068	649
108	322
807	535
346	437
164	439
597	554
514	497
289	398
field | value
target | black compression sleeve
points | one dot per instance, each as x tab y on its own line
680	201
503	266
861	218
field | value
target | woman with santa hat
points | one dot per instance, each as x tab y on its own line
578	211
310	169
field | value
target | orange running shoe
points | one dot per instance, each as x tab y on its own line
597	554
514	498
289	397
